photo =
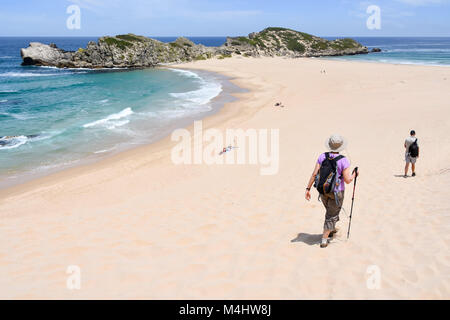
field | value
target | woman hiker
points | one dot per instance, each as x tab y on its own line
334	145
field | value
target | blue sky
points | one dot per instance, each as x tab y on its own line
225	17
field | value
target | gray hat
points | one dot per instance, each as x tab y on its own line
336	143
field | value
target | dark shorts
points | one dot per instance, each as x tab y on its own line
333	210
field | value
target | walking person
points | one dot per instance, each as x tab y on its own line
412	153
331	173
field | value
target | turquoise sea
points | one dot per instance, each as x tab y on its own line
433	51
51	119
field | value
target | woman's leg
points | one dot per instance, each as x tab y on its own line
332	215
326	232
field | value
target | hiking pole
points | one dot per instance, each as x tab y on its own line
353	200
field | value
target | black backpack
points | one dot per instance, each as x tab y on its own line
414	150
327	180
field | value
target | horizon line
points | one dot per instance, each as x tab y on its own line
190	36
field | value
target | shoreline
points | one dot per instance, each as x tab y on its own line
384	62
187	122
160	144
140	227
227	95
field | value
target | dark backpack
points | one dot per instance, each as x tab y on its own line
414	150
327	180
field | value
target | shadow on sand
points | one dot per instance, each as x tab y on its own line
400	176
309	239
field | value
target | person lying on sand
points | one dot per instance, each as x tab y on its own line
229	148
225	150
331	192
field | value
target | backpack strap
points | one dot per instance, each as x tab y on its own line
337	159
327	155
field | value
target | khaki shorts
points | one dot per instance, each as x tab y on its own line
333	210
410	159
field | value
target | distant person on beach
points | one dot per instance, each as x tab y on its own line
229	148
412	153
331	161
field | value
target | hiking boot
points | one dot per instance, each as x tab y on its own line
332	234
324	243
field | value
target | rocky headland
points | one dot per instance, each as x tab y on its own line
132	51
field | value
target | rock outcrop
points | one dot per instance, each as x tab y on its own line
292	44
132	51
123	51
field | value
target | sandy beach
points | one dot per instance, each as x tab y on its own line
140	227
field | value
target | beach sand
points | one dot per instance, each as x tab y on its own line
139	226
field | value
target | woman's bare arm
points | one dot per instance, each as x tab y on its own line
348	177
311	181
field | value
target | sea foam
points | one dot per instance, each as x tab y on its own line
112	121
12	142
17	116
198	99
31	74
187	73
28	74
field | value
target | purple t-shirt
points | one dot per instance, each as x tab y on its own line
341	166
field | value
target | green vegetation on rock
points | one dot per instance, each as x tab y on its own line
342	44
224	56
244	40
130	37
294	45
175	45
306	36
320	45
276	29
121	44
